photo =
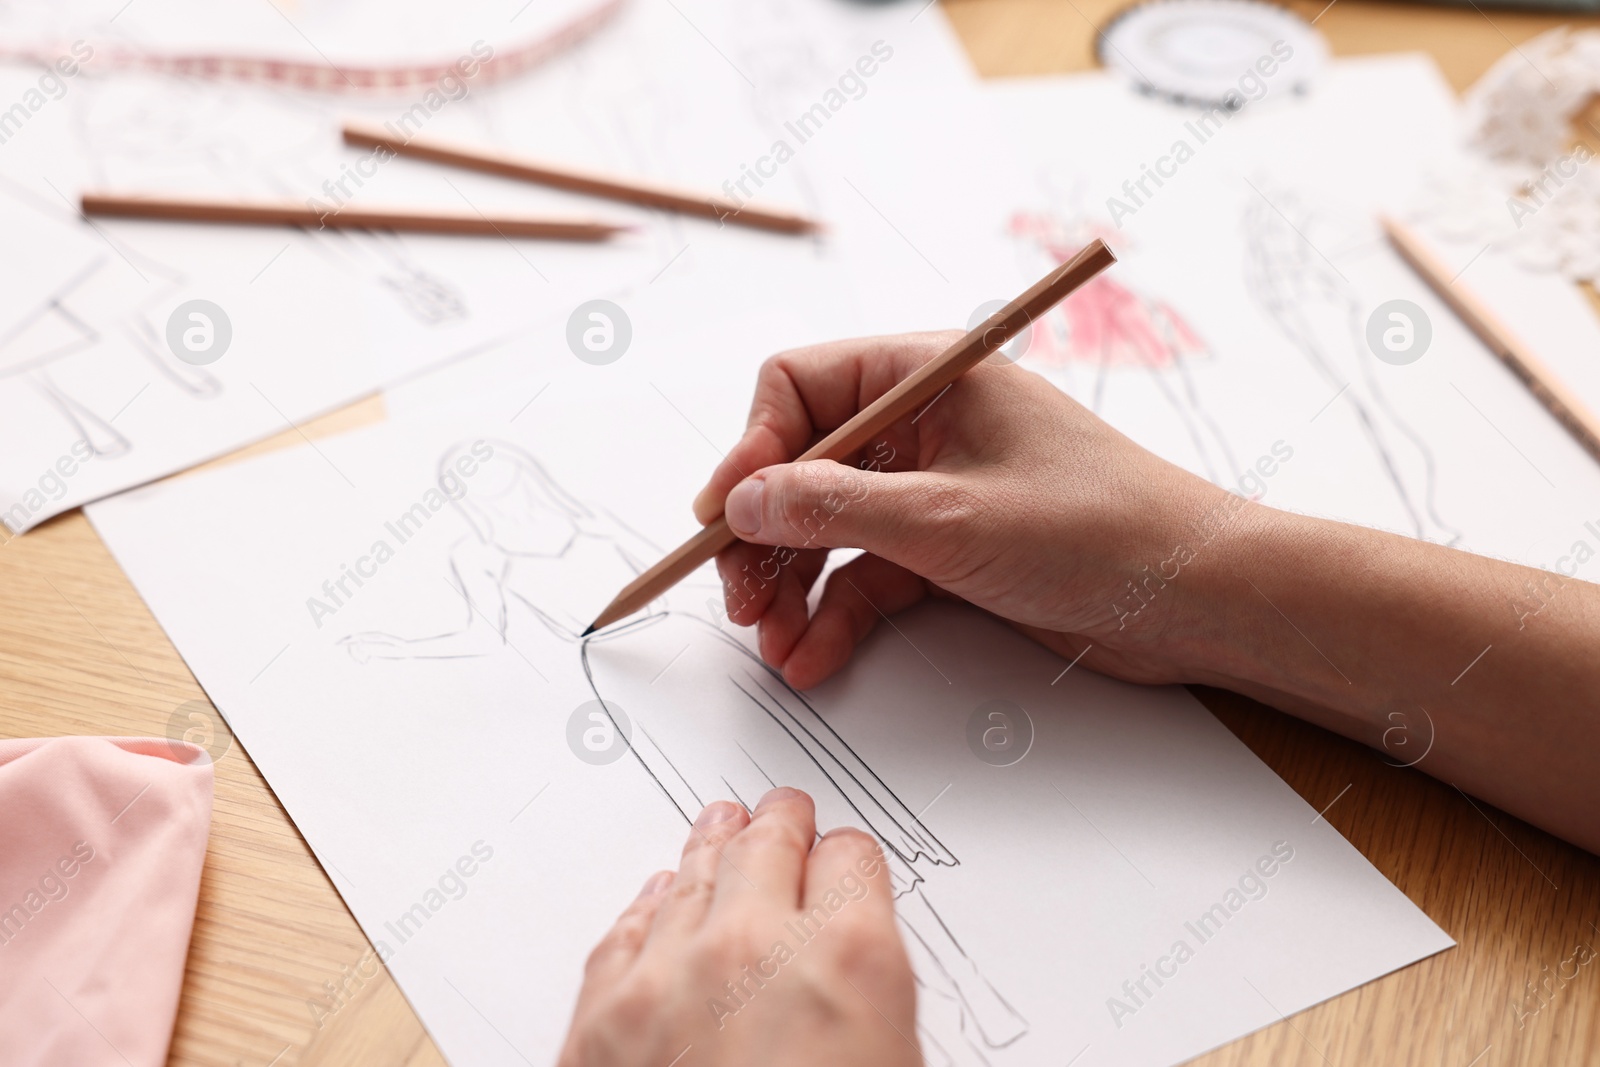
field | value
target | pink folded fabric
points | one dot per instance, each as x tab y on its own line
102	840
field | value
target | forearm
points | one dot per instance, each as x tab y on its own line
1483	673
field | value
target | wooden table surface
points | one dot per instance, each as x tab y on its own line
275	973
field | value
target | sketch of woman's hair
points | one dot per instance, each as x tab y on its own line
522	474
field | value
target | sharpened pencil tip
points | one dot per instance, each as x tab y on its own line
587	632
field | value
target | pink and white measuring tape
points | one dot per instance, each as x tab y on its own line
329	77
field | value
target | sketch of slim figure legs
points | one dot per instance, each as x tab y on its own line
1210	445
758	732
1181	395
944	970
1205	436
1321	314
1161	351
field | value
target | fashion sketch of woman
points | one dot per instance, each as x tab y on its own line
1323	317
529	539
1116	332
705	718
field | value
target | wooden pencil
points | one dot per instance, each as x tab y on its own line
1532	371
907	397
559	176
289	213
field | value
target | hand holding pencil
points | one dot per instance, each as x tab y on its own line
1011	496
920	387
1005	493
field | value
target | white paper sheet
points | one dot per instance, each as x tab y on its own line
424	715
681	92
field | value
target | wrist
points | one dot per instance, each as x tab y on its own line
1218	645
1270	610
1171	588
1210	632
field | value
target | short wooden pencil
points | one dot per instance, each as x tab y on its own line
911	394
289	213
1532	371
560	176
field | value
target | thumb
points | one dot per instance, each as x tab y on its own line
823	504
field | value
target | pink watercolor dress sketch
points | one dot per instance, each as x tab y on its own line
1117	333
528	567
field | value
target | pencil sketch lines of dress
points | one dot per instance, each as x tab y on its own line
90	309
759	732
1112	328
535	549
44	335
1322	315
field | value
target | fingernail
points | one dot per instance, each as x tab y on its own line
718	811
743	508
703	503
656	883
706	505
775	796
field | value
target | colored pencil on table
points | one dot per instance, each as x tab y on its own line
916	391
1541	381
289	213
560	176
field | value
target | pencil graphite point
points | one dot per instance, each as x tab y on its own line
587	632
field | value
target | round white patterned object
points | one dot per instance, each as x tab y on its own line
1213	52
